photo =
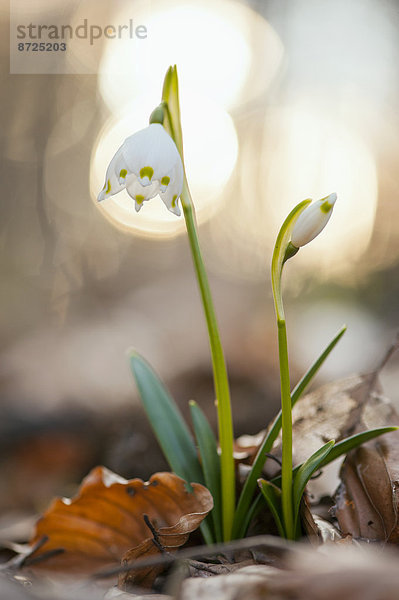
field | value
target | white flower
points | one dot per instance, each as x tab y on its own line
312	221
148	163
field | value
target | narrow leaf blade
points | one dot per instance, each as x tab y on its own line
166	421
272	495
344	446
210	463
306	471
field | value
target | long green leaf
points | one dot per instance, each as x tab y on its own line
344	446
272	495
169	427
267	444
349	443
305	472
210	463
167	422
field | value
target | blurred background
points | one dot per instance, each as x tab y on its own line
281	100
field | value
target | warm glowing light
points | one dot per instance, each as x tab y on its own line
302	155
310	156
211	150
223	49
226	54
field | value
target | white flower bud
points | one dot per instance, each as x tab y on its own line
312	221
148	163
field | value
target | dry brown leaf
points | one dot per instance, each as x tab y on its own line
165	539
336	411
333	411
317	529
367	501
106	519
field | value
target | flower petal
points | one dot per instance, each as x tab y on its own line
152	148
122	171
141	193
170	194
113	184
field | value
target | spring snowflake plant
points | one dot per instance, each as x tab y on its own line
151	162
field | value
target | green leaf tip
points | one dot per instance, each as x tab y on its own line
166	421
132	353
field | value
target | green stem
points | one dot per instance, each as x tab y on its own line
219	370
171	107
278	259
243	508
286	467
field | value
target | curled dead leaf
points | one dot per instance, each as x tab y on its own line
105	519
367	500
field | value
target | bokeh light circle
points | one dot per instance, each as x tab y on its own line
294	154
224	50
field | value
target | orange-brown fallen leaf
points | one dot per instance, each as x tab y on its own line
106	519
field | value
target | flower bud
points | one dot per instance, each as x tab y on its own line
312	221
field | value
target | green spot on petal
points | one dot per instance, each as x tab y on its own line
147	172
108	187
123	173
326	207
139	199
165	180
174	201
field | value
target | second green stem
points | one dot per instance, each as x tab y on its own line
286	469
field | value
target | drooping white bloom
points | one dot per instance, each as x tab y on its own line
148	163
312	221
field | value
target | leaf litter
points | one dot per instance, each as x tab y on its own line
135	528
